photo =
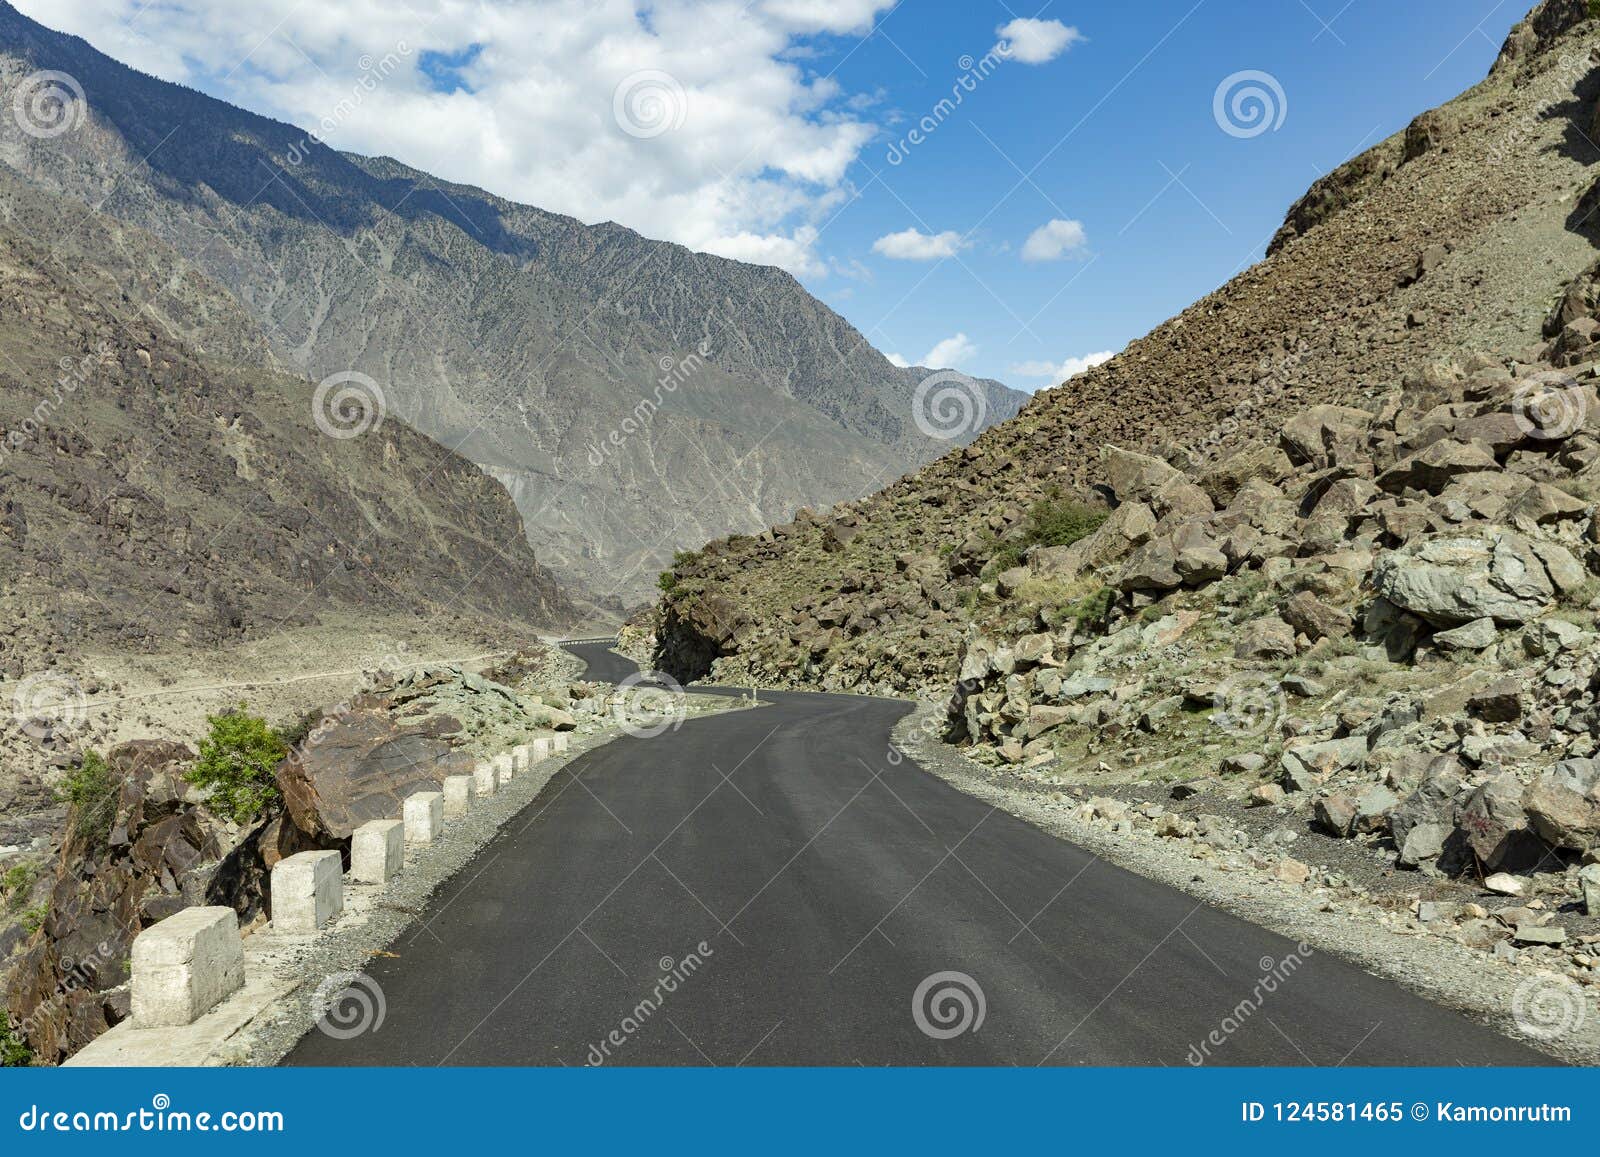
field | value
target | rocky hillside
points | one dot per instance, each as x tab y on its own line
1455	236
633	396
157	498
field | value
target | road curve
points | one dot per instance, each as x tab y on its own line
828	884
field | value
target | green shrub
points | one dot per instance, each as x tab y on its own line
1093	609
667	581
14	1051
236	762
33	918
15	883
92	796
1062	522
1052	521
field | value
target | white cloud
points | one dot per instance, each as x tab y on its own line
1070	368
1054	240
754	150
1037	41
826	15
912	245
897	360
950	353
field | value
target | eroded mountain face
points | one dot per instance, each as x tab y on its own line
159	497
634	397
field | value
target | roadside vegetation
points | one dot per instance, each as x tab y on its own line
236	763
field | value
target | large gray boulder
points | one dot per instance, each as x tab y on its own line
1496	825
1563	804
1314	434
1494	574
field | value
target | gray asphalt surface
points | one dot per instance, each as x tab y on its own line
828	883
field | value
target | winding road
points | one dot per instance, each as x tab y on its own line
769	887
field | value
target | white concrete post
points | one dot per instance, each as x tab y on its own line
184	965
458	795
377	851
541	748
559	742
485	777
424	816
307	891
505	767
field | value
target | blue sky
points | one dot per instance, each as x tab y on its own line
763	129
1118	133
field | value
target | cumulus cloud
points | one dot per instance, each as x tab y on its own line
913	245
897	360
693	123
826	15
1054	240
1033	41
1060	372
950	353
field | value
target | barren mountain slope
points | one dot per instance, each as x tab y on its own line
1457	235
156	500
524	339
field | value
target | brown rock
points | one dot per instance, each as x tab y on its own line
362	768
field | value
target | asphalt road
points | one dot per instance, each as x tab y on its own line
827	884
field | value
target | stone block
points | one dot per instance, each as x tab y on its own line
486	777
424	816
307	891
378	851
459	793
184	965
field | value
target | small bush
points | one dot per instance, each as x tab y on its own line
236	762
33	918
667	582
14	1051
1094	609
1062	522
15	883
1051	521
93	797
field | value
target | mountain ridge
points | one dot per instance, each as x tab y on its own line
516	336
